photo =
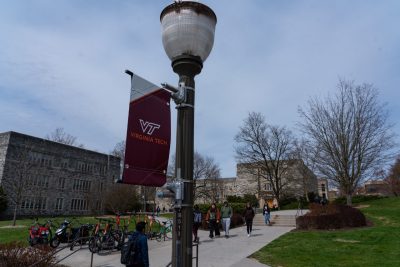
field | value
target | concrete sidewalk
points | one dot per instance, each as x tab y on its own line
218	252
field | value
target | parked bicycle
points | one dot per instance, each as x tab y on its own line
107	238
165	231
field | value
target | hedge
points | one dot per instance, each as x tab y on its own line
331	216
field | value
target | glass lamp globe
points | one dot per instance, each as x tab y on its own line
188	29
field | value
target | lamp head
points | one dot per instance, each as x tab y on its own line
188	30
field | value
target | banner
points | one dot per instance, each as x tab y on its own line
148	135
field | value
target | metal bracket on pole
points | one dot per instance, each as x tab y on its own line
179	95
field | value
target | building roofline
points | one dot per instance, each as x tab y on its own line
10	133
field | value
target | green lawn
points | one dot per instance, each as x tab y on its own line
21	232
370	246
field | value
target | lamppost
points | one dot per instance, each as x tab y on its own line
188	36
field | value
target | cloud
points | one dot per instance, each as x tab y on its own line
62	63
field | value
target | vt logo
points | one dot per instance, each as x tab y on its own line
148	127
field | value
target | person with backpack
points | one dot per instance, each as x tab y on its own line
196	222
134	252
226	214
248	215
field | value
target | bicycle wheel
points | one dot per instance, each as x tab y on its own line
119	238
168	232
94	244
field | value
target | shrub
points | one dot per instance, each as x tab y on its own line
251	199
332	216
234	199
238	207
311	196
237	220
15	254
293	203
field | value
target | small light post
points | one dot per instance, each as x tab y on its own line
188	36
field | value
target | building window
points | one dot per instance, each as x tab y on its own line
64	164
268	187
82	185
79	204
61	183
323	187
59	203
37	203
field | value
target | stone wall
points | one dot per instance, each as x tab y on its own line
299	178
58	178
4	137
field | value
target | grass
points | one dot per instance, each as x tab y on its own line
378	245
21	231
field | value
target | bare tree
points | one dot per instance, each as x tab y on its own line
351	134
206	173
121	198
60	136
392	180
21	169
119	151
303	152
265	150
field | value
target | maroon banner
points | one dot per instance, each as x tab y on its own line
148	135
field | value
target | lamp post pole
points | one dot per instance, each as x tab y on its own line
186	67
188	36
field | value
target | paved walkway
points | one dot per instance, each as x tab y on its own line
217	252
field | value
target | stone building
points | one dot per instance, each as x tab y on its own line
299	179
374	187
323	188
42	177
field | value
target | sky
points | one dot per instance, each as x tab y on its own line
62	64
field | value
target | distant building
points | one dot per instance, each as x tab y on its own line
298	177
301	180
43	177
323	188
333	194
374	187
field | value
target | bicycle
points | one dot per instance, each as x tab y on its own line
165	231
106	239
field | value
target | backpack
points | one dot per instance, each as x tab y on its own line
128	252
197	217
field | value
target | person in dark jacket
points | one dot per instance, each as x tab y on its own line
196	222
141	248
248	215
267	213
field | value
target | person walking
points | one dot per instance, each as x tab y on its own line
212	218
196	222
158	211
248	215
267	213
141	258
226	214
